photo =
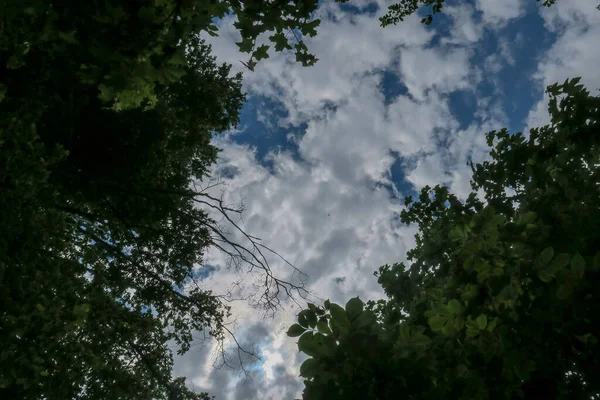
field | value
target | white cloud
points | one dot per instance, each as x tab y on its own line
577	24
499	13
322	207
443	69
466	29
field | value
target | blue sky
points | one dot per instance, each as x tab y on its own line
323	156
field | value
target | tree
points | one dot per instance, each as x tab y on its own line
126	49
399	11
500	300
107	115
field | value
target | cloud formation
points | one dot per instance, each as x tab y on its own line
329	200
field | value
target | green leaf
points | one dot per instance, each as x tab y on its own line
338	329
44	373
302	318
459	323
280	41
339	315
309	368
472	332
366	318
311	318
323	326
327	304
354	308
245	45
261	52
454	306
437	322
309	28
546	255
295	330
307	345
578	266
481	321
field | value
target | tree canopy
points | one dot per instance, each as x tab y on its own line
397	12
108	110
501	296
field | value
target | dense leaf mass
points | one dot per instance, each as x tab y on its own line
502	296
107	113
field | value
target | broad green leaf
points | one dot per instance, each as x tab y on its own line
325	345
454	306
472	332
295	330
339	314
311	318
354	308
366	318
309	368
303	319
459	323
481	321
338	329
437	322
323	326
307	345
546	255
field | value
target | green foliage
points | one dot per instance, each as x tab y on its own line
399	11
500	300
101	231
108	110
127	50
